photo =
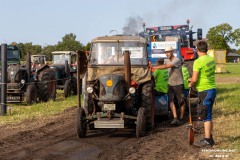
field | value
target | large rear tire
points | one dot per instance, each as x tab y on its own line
141	122
31	95
46	87
81	123
147	103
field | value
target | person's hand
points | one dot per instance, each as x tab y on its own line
150	64
189	82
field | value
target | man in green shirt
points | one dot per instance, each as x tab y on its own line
185	80
204	79
161	79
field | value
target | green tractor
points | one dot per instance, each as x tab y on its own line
119	90
65	68
25	85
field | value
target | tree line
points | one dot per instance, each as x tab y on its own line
68	43
218	37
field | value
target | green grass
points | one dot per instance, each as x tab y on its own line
21	112
226	112
233	69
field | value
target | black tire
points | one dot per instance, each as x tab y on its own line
46	86
31	94
81	123
141	122
147	102
67	88
74	85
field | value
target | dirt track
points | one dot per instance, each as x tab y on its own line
56	138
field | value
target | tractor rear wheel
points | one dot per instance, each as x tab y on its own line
141	122
31	95
81	123
147	103
46	87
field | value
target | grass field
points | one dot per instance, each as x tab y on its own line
21	112
226	112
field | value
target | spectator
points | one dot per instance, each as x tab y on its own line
204	79
185	79
175	84
161	79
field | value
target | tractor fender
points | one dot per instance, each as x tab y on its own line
42	68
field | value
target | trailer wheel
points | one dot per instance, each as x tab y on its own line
67	88
31	94
147	102
81	123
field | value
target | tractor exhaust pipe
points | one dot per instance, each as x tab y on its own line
127	69
28	65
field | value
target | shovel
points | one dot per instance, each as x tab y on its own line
190	124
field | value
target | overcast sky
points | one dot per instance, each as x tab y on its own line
45	22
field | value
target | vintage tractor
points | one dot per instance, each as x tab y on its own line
22	83
65	67
119	86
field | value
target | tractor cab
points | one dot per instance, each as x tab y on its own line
64	64
13	55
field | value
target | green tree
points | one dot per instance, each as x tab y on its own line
87	47
222	35
29	47
48	51
69	43
236	36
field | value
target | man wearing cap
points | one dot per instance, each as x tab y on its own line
204	79
175	84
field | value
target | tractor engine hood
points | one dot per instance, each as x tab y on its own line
17	77
112	87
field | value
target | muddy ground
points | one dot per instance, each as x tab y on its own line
55	139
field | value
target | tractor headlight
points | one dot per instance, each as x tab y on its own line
89	89
22	81
74	67
132	90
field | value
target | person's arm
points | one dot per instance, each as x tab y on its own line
164	66
193	80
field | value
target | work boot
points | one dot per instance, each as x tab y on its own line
205	142
180	122
212	141
175	121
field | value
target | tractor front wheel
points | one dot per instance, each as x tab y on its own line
81	123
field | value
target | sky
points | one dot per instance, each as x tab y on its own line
45	22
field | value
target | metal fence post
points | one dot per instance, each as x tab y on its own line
3	79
